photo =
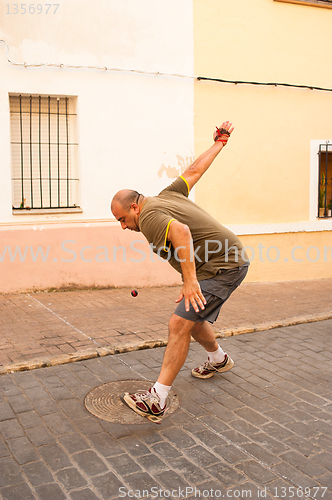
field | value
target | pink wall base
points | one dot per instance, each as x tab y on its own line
72	258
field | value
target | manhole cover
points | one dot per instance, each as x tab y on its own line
104	401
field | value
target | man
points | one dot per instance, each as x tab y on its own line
211	260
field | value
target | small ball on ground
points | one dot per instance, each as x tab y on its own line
134	293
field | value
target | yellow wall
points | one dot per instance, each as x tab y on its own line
262	40
287	257
263	176
263	173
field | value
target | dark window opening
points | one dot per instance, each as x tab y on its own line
44	149
325	180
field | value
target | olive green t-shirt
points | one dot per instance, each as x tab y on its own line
213	246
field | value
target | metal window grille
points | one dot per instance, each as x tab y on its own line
325	180
44	152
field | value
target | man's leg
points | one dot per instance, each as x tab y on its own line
151	404
218	360
180	331
204	334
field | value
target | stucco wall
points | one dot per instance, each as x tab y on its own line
71	255
103	255
134	129
140	130
268	174
131	126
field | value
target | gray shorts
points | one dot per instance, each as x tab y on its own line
216	291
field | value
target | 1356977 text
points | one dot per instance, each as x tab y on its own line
25	8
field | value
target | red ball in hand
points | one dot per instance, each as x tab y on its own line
134	293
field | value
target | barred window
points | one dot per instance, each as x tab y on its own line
44	152
325	180
316	3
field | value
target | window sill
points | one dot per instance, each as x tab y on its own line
313	3
46	211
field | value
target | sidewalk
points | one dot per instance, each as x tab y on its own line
43	329
261	430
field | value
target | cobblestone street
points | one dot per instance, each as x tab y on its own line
263	427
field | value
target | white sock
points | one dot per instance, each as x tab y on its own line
162	391
217	356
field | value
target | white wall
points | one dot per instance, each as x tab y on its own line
129	124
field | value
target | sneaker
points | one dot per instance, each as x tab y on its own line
146	404
207	369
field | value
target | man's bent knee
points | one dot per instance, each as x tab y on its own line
177	324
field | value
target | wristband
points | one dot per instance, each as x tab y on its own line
222	135
224	141
222	131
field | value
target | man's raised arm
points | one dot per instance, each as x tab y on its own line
193	173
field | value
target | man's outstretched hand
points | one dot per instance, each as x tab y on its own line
223	133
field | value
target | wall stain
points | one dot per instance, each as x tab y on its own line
174	171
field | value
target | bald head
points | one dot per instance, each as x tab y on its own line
126	206
124	199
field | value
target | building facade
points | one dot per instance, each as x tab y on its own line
96	99
266	185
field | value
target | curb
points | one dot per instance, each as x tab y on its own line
86	354
269	325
